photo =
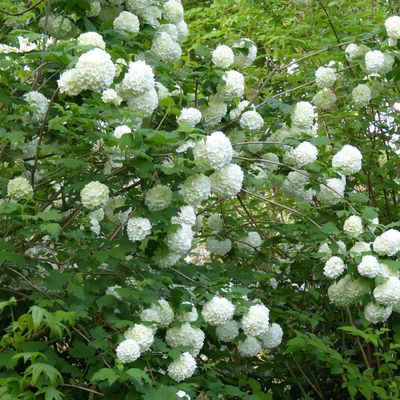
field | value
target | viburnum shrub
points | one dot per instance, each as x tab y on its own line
164	228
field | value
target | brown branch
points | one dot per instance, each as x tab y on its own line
21	12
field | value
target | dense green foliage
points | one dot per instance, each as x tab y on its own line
68	294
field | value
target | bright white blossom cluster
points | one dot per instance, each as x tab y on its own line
19	188
38	103
95	195
348	160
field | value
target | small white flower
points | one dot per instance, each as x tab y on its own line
369	267
353	226
217	311
138	228
222	56
128	351
334	267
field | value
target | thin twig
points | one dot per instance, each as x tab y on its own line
21	12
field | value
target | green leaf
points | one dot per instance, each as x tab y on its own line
105	374
37	316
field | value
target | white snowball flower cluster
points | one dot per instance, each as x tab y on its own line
183	30
144	103
361	95
388	293
369	267
91	39
95	8
353	51
142	335
388	243
146	9
294	185
348	160
251	242
244	59
195	189
159	313
227	331
128	351
222	56
324	99
180	242
138	228
126	22
93	71
171	29
232	85
237	112
218	247
346	291
166	48
374	61
214	112
227	181
215	152
249	347
187	336
256	320
111	96
186	216
158	198
217	311
376	313
325	77
58	27
251	121
334	267
191	116
19	188
273	336
173	11
215	222
305	153
392	25
353	226
121	130
333	191
303	116
95	195
38	103
138	80
182	368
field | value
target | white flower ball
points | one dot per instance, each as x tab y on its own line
142	335
374	61
95	70
158	198
228	331
171	29
183	30
186	216
251	121
188	316
250	242
126	22
334	267
305	153
369	267
39	103
180	242
388	293
353	51
249	347
273	336
244	59
222	56
111	96
214	112
346	291
128	351
121	130
218	247
256	320
325	77
138	79
237	112
159	313
166	48
353	226
138	228
324	99
19	188
388	243
303	115
361	95
91	39
376	313
217	311
95	195
348	160
173	11
227	181
144	103
187	336
95	8
294	185
191	116
195	189
182	368
359	248
232	85
69	82
215	222
392	25
333	191
216	152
